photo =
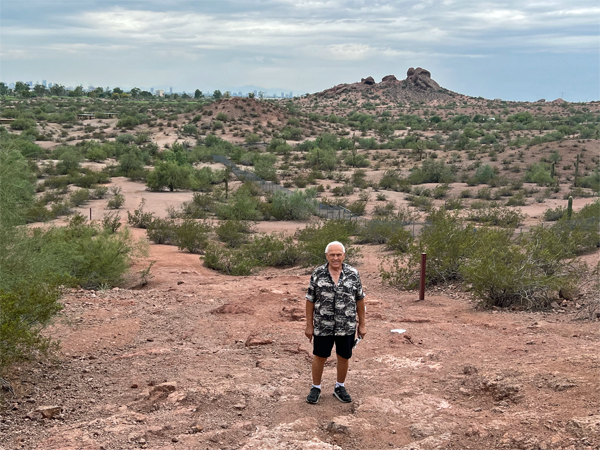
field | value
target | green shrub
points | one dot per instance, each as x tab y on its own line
314	238
26	310
79	197
552	215
234	232
445	240
191	235
116	202
274	250
502	273
432	171
111	222
240	206
390	232
161	231
295	206
99	192
139	218
229	261
499	216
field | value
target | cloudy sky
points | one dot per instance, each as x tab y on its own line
511	49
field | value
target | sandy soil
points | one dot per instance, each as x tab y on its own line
199	360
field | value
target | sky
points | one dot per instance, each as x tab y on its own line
513	49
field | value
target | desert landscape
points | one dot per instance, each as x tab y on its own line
200	344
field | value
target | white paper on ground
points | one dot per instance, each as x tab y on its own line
398	330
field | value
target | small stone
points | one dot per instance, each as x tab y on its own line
49	412
179	283
554	305
174	439
134	386
337	428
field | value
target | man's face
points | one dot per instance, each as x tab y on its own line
335	256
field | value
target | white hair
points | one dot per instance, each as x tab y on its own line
335	243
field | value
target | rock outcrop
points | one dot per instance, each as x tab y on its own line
421	78
369	81
389	78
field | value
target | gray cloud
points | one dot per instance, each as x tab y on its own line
299	45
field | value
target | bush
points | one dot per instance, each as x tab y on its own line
234	232
390	232
552	215
161	231
79	197
191	235
314	238
502	273
296	206
432	171
499	216
447	242
229	261
139	218
116	202
26	310
274	250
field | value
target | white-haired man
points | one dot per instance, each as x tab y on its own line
334	305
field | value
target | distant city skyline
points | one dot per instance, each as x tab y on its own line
514	50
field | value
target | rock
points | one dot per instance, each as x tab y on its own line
47	412
229	308
541	100
421	78
253	341
421	430
180	282
293	313
389	78
469	370
554	305
337	428
585	427
368	81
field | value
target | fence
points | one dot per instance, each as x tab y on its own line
322	209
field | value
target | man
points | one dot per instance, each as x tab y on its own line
334	300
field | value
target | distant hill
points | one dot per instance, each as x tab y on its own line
418	86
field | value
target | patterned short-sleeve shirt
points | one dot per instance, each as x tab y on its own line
335	305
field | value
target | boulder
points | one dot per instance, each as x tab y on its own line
369	81
421	79
389	78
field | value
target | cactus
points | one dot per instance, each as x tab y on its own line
552	170
576	171
570	208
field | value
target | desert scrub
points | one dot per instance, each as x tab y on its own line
229	261
139	218
503	273
313	239
295	206
497	216
234	233
161	231
191	235
447	242
390	232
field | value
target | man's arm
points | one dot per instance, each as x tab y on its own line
360	311
310	311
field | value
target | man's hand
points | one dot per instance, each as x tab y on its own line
362	331
309	332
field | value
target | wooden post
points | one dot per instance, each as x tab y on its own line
422	284
90	214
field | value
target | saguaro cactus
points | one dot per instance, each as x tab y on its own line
570	208
576	171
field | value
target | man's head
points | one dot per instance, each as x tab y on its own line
335	253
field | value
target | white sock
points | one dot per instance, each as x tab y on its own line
338	384
318	386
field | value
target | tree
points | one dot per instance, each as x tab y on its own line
217	95
198	94
3	88
22	89
39	90
135	92
57	90
251	95
77	92
170	175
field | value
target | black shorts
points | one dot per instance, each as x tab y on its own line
322	345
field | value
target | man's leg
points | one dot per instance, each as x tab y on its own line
342	369
317	369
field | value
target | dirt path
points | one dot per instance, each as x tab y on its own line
198	360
